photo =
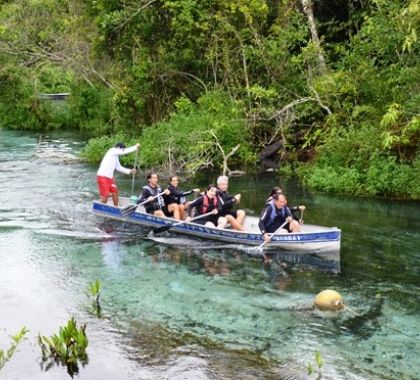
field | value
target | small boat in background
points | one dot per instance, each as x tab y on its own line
312	238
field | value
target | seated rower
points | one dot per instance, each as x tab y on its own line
175	200
274	214
150	191
205	203
234	217
293	209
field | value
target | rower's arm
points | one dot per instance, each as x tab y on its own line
144	195
264	218
196	203
226	200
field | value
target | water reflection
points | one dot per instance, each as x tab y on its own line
112	253
217	260
210	264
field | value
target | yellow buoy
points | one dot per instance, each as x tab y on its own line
328	300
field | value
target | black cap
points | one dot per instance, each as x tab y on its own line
120	145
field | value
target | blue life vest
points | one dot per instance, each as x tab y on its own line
274	213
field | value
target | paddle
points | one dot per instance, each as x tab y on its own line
134	174
128	210
301	215
166	228
260	247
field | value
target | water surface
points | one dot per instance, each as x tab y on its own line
177	309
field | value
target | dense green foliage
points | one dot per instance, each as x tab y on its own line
192	79
187	141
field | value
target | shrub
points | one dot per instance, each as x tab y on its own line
19	107
189	138
96	148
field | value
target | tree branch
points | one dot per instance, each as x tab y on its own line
226	157
127	20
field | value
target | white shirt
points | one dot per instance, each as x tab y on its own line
111	162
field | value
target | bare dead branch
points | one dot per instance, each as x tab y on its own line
138	10
318	99
226	157
278	113
189	75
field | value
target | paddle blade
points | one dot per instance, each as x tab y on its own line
128	210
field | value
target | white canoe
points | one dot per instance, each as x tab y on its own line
311	238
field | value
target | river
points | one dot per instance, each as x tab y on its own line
171	311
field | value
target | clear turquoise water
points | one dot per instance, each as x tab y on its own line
178	311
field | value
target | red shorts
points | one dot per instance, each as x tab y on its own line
106	186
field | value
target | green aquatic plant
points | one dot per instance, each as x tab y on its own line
67	347
17	338
319	363
94	290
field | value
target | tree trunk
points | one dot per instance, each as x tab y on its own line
307	8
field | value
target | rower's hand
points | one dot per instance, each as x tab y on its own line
133	171
196	190
289	219
302	208
137	146
267	237
150	199
237	198
188	219
167	192
215	211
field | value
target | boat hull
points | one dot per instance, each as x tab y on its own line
313	239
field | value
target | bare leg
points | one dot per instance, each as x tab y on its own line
115	198
159	213
294	226
240	217
181	212
104	199
221	222
173	207
233	222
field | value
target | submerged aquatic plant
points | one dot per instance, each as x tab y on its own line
94	290
17	338
67	347
319	363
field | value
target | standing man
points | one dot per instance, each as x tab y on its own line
234	217
105	174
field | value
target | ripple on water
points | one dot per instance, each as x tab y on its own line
224	315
